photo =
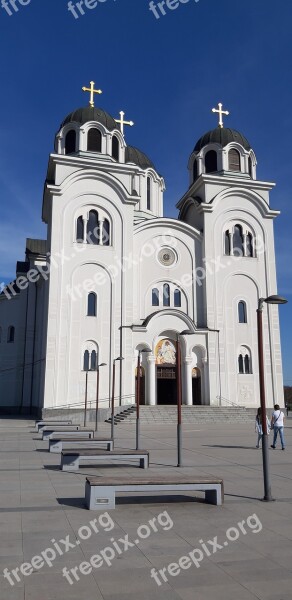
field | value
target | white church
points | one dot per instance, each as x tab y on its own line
115	277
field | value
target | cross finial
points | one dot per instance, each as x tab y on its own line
92	92
221	113
122	122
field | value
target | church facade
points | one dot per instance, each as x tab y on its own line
115	278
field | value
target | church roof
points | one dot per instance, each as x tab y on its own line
36	246
223	136
84	115
134	155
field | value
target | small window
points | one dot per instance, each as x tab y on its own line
240	365
115	148
195	170
234	160
80	230
227	245
11	334
70	142
249	245
250	170
93	361
94	140
155	297
86	361
247	365
93	228
166	295
91	304
238	241
148	193
106	233
242	318
177	298
211	161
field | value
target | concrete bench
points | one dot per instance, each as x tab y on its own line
81	433
58	444
70	459
100	492
60	429
41	424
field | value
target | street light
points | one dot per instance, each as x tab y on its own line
179	395
138	398
97	392
265	448
113	396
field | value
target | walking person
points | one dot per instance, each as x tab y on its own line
278	426
259	427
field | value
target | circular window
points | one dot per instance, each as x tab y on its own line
166	257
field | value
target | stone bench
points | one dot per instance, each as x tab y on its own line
100	492
61	443
70	459
41	424
51	430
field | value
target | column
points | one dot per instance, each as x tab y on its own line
100	225
85	221
204	380
187	381
151	381
230	233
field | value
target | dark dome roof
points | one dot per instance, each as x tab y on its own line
222	136
83	115
139	158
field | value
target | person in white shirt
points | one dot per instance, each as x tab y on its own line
278	426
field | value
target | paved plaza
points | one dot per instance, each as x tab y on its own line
43	508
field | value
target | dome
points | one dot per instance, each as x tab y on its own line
133	155
84	115
222	136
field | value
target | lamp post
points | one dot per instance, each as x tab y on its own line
85	399
97	392
113	396
179	395
138	398
265	448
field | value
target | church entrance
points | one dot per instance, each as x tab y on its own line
196	386
166	385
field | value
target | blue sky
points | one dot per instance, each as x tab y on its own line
166	74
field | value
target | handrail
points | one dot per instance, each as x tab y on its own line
229	402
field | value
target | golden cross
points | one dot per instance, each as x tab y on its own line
92	92
122	122
221	113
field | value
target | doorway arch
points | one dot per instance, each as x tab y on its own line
196	386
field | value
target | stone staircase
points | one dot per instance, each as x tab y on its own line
190	414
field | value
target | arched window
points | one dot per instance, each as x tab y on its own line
148	193
166	295
91	304
240	364
94	140
234	160
227	245
106	233
11	334
155	297
211	161
93	361
86	361
247	365
80	230
177	298
195	170
250	167
70	142
93	228
242	317
238	241
115	148
249	245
